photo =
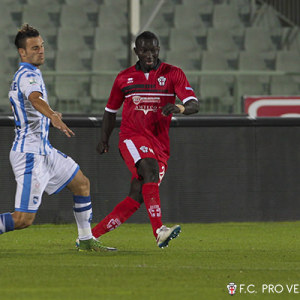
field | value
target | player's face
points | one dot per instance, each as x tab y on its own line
147	51
34	53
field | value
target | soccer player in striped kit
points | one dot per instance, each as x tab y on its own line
147	91
38	166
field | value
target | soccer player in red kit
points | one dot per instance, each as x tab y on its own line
147	91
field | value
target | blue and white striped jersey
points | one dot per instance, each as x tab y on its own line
32	127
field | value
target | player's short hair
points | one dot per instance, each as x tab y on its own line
146	35
23	34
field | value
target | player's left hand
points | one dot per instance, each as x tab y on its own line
170	108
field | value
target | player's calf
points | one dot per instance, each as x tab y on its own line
22	219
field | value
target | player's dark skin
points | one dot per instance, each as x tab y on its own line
147	51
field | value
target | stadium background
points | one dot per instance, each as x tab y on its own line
224	167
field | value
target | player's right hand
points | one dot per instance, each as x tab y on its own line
102	147
59	124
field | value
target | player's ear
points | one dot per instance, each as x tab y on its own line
22	52
135	51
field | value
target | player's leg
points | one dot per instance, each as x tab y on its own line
66	173
6	223
23	219
152	173
27	168
80	187
16	220
129	149
122	211
148	169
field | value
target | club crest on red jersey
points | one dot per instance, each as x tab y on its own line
136	100
161	80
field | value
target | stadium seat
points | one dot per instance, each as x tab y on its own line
217	94
221	40
117	3
258	40
8	64
288	61
186	61
79	16
45	20
284	86
226	17
100	90
257	61
109	39
252	85
294	42
71	91
49	64
73	39
57	3
83	2
49	83
113	16
182	40
216	86
105	61
163	20
5	82
243	6
187	17
10	18
267	18
7	44
216	60
71	61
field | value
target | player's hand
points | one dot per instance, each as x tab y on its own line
102	147
170	109
59	124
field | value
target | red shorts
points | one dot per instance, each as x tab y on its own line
136	148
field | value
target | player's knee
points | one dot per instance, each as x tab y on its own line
148	169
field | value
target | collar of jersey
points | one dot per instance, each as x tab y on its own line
138	65
28	65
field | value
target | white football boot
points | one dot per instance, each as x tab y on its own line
166	234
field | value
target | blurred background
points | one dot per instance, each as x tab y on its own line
224	165
227	48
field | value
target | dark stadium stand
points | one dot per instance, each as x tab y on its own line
203	35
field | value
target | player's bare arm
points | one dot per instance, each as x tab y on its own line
190	107
108	124
42	106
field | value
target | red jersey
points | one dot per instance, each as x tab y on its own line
144	95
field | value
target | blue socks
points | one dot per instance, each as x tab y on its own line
83	216
6	223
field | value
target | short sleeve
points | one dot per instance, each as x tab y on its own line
30	82
183	89
116	97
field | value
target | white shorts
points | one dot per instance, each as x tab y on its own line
35	174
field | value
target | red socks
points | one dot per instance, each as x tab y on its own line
150	193
128	206
118	216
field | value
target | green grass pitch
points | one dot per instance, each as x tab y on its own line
41	263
